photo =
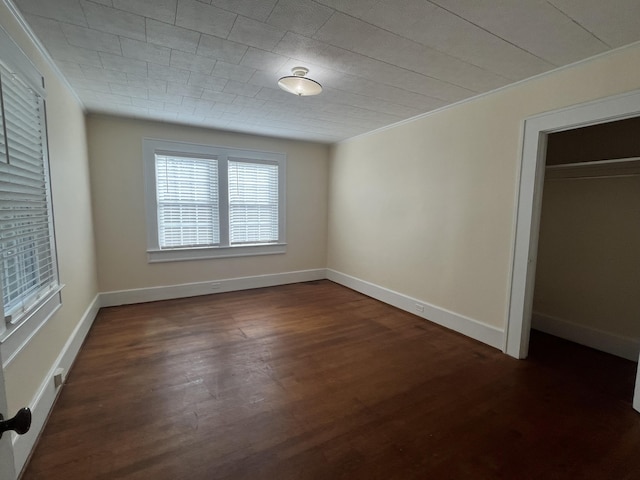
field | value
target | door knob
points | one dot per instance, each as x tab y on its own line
19	424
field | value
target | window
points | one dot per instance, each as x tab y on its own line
28	270
205	201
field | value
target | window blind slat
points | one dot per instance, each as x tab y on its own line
19	175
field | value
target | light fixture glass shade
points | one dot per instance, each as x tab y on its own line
298	84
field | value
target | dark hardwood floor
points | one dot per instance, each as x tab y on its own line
315	381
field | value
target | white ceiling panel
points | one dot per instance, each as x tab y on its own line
355	8
96	85
70	53
299	16
68	11
70	69
170	74
92	39
314	52
96	73
178	38
356	35
221	49
166	98
190	91
208	82
148	104
204	18
615	22
117	22
191	62
256	34
50	31
263	61
241	88
151	84
258	10
230	71
162	10
147	52
430	25
127	90
534	25
216	63
123	64
220	98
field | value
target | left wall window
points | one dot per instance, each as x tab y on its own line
28	270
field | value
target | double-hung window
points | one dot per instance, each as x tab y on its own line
28	271
205	201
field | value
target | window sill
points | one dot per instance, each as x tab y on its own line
18	335
185	254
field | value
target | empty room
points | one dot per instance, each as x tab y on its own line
318	239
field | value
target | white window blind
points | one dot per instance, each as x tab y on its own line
26	245
187	196
205	201
253	202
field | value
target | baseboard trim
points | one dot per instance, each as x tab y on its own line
152	294
45	397
624	347
475	329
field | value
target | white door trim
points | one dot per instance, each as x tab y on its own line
529	202
7	464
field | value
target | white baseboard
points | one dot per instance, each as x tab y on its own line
475	329
152	294
45	397
591	337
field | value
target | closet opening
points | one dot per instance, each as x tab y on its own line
575	263
587	278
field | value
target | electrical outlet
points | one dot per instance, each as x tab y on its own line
419	307
58	377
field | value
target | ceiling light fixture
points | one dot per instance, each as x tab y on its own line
298	84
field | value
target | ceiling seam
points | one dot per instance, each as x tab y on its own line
434	2
578	23
423	45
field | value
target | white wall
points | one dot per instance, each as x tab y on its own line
588	268
117	187
427	208
25	375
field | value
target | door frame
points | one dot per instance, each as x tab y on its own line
529	206
7	460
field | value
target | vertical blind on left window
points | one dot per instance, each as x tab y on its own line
28	269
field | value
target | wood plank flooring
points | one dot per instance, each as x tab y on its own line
315	381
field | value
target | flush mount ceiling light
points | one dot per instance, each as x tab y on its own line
298	84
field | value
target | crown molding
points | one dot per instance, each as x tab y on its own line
41	49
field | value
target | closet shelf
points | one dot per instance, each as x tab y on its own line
619	167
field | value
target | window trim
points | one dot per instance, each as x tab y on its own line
155	254
17	331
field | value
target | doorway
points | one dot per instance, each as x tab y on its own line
536	132
588	262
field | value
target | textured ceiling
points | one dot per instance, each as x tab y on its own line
216	62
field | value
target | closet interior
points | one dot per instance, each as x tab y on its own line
588	265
